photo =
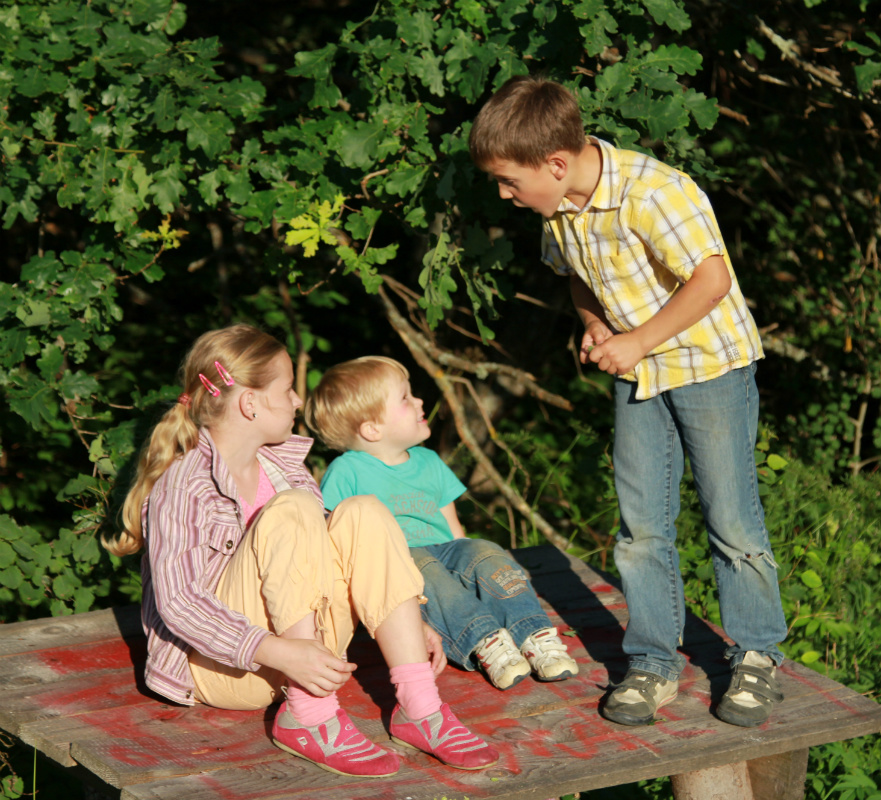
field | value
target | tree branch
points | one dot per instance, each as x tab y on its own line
520	379
790	52
421	349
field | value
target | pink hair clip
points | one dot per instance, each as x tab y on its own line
227	378
209	387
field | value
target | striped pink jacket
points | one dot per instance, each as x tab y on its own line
192	524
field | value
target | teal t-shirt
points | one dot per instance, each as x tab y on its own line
414	491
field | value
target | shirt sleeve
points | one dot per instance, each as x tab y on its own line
338	483
679	227
181	534
551	253
450	488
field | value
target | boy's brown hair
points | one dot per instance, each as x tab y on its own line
524	122
349	394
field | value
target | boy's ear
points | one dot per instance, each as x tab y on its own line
369	431
558	163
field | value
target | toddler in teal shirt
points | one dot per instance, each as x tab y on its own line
480	600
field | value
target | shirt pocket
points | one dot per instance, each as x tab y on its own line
224	539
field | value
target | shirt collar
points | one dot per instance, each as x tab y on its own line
607	194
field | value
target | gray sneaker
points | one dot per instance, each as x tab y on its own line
635	700
753	692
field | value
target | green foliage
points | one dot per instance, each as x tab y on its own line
58	577
825	540
802	205
123	142
824	537
164	171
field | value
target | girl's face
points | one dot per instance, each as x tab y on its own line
277	403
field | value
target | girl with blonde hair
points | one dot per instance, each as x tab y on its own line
249	593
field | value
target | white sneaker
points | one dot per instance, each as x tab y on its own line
502	662
548	657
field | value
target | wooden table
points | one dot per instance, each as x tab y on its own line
73	688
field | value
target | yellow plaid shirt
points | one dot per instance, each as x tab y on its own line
639	238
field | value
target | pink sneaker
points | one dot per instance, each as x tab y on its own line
444	737
336	745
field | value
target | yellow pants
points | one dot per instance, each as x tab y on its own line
291	563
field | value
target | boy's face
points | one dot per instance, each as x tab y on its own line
403	421
537	188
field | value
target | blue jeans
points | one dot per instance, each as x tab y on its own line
474	588
715	423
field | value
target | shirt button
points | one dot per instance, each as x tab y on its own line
229	545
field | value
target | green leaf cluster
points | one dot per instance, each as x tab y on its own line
801	155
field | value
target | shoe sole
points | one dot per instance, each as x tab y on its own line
623	718
518	679
561	677
733	718
328	768
433	755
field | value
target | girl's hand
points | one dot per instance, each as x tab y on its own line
307	662
435	649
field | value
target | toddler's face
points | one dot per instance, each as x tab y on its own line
528	187
403	421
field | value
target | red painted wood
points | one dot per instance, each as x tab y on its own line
80	702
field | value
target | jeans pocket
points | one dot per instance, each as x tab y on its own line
505	582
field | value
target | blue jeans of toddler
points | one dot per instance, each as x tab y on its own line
474	587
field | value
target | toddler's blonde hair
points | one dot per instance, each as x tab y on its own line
349	394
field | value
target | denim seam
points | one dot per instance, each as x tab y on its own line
532	623
669	523
654	668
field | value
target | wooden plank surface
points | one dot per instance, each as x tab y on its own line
563	751
72	691
52	632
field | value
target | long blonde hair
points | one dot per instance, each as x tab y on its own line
245	353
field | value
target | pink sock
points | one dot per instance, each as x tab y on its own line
415	689
308	709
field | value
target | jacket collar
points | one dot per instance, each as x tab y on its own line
287	460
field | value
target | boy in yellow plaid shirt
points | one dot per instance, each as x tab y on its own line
653	284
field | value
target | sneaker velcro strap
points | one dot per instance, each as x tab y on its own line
764	688
643	682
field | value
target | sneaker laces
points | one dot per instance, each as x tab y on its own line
544	646
496	653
